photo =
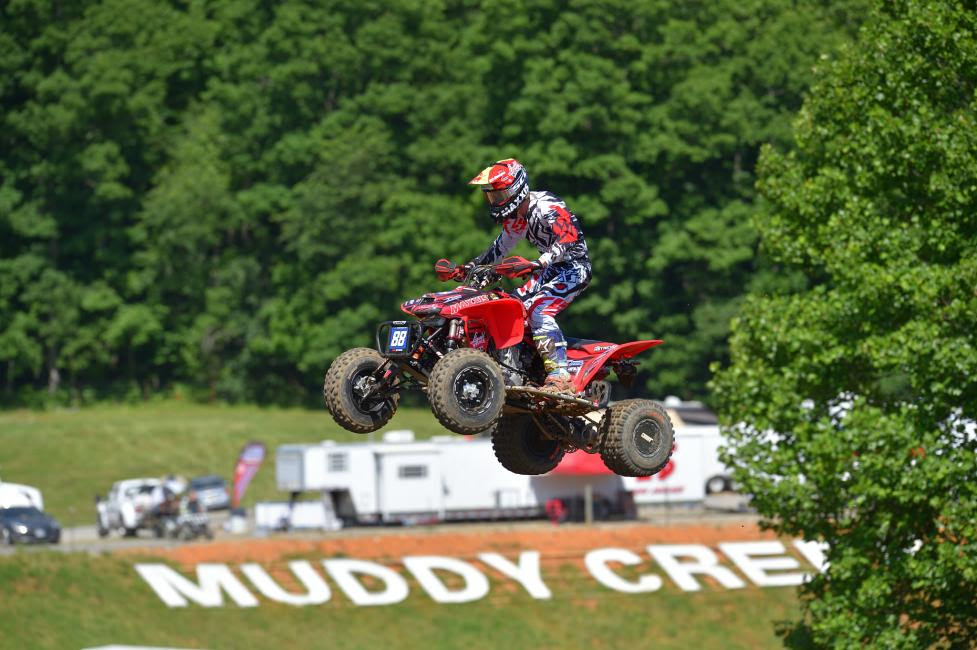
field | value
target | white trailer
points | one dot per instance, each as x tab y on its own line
442	479
454	478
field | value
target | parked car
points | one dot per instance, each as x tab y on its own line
28	525
127	505
211	492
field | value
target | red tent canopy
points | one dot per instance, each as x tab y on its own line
580	463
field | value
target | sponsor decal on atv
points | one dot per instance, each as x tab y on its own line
479	341
477	300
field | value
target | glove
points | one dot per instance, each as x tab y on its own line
447	270
516	267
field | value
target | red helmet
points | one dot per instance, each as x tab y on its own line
506	186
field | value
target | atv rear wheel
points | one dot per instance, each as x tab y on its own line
522	449
348	379
467	391
637	438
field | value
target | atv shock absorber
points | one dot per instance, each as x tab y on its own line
455	333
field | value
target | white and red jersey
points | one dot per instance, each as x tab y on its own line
549	226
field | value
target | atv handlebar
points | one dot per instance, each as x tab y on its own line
476	276
480	276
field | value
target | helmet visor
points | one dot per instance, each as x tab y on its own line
501	197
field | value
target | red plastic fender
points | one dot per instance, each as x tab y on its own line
504	319
628	350
622	351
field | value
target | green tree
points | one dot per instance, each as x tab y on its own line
229	194
868	376
89	93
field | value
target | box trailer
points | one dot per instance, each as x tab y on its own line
443	479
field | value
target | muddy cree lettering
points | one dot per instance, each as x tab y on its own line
764	563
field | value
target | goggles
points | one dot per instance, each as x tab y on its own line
501	197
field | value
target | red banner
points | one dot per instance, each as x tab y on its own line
247	466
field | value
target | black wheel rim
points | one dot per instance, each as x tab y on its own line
359	385
648	437
473	390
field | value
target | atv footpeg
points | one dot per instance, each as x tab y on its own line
554	402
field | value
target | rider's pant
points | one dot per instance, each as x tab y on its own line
546	294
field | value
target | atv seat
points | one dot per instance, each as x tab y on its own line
577	344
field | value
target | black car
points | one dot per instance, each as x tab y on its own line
28	525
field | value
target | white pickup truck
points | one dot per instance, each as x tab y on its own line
127	505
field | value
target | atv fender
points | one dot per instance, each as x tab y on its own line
622	351
628	350
504	319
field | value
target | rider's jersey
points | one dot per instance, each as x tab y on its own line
549	226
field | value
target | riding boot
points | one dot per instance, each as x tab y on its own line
553	348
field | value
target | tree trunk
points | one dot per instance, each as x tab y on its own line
53	380
53	374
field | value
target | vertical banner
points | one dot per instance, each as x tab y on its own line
247	466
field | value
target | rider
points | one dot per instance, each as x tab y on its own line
559	275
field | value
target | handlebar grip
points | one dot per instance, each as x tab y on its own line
445	269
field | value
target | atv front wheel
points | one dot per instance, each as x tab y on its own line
637	438
467	391
348	380
522	449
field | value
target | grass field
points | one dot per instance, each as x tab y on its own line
74	600
72	455
54	600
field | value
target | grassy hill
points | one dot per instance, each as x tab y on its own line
72	455
74	600
55	600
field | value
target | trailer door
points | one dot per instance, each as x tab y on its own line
289	468
411	482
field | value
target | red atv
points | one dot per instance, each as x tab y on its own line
471	351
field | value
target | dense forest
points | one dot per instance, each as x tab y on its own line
219	197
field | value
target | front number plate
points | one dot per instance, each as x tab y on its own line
398	339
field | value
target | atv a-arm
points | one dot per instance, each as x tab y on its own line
537	400
387	381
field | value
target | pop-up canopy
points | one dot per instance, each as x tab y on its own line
579	463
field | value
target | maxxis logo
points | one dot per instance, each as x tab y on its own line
477	300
